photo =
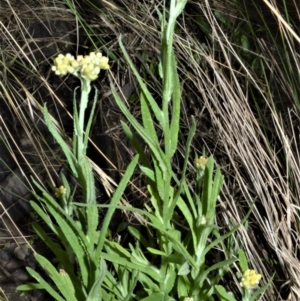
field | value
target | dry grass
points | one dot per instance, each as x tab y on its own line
257	149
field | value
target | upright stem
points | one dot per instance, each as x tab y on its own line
85	90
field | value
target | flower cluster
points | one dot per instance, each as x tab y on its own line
60	191
201	221
250	279
200	162
85	67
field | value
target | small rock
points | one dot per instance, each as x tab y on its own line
22	252
21	275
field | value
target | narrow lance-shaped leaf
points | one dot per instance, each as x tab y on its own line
221	291
216	188
207	186
138	148
176	102
86	179
147	118
243	261
146	269
114	202
74	243
60	254
96	290
42	284
155	108
187	151
61	279
155	148
68	153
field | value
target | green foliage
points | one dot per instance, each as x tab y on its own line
168	258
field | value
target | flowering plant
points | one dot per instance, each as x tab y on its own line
81	270
167	261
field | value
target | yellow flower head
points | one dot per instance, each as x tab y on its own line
250	279
60	191
62	64
87	67
99	60
200	162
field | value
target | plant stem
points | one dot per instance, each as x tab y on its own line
85	90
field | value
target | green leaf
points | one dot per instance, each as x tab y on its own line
245	42
66	286
156	252
156	110
183	287
147	118
216	188
61	255
176	243
43	284
176	102
184	269
201	278
155	148
138	236
219	240
222	293
116	249
86	179
191	202
159	185
169	280
138	256
74	242
207	187
155	297
223	19
44	216
114	202
203	25
243	261
156	203
95	292
49	201
68	153
133	140
61	279
148	172
134	276
183	184
30	287
111	285
147	282
146	269
189	218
